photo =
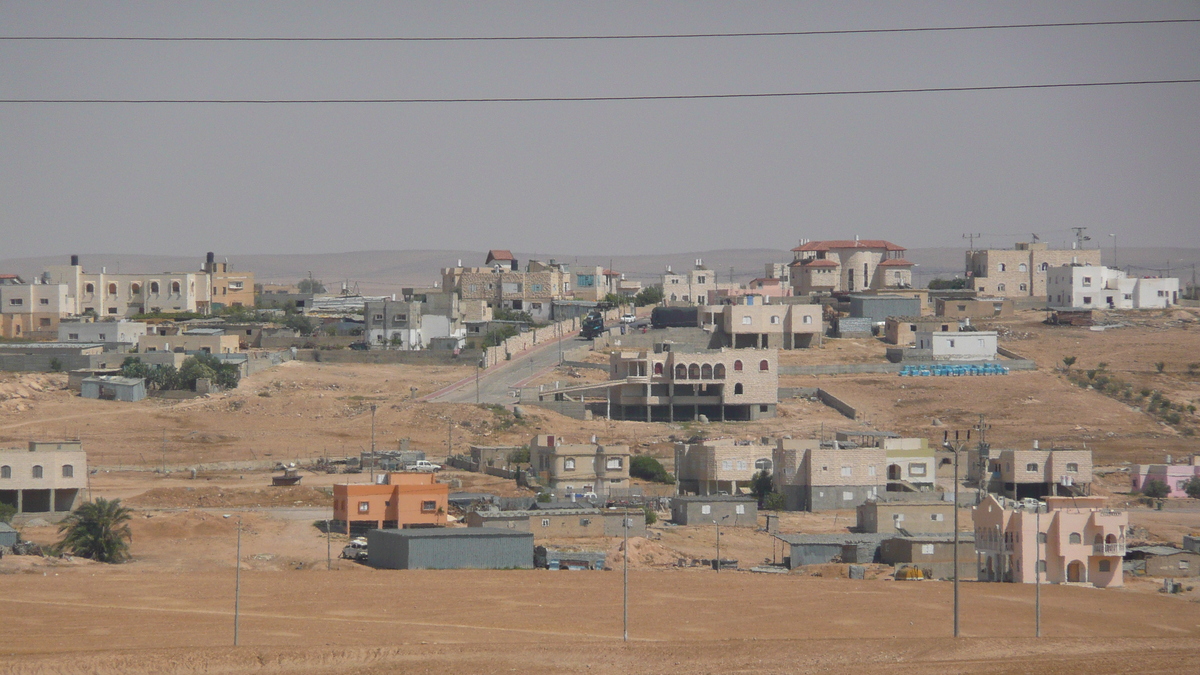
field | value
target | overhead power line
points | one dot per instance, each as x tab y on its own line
661	36
571	99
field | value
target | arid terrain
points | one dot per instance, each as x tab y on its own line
170	609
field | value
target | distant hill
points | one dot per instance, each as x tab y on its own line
385	272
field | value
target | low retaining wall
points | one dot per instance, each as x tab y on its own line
865	368
536	336
421	356
837	404
585	364
310	342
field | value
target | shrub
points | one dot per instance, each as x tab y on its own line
1192	488
55	365
1156	489
651	516
1068	361
7	511
774	502
1159	366
98	530
520	455
648	468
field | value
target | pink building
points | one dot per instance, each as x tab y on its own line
1075	539
1174	476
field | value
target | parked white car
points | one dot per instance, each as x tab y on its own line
422	465
356	550
628	318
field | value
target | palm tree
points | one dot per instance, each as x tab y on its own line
98	530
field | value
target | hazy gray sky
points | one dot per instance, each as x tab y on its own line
592	178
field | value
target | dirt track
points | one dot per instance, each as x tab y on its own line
468	621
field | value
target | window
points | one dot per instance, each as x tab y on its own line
774	319
37	471
898	517
743	465
847	496
700	279
951	344
1022	267
103	337
1072	467
235	286
871	470
746	321
89	288
545	522
15	301
154	287
72	336
569	464
740	509
847	471
68	471
1002	267
1183	565
807	318
364	507
694	372
739	389
727	465
1024	287
926	549
43	301
1032	466
763	365
680	371
1044	266
916	469
5	471
706	372
175	287
737	366
705	509
112	289
719	371
937	517
1000	287
1075	538
613	463
378	317
1105	565
112	310
1087	299
428	506
1087	282
1041	566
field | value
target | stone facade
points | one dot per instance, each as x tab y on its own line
668	385
31	311
755	324
717	466
902	330
848	266
974	308
814	476
502	286
47	480
1020	272
900	517
579	468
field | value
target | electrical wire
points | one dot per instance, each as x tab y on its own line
665	36
585	99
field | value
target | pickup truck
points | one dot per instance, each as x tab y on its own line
422	465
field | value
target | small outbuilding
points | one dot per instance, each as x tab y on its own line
8	536
113	388
726	510
439	548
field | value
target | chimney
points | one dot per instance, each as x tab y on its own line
74	260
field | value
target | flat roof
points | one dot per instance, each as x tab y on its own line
450	532
713	498
847	538
50	345
539	512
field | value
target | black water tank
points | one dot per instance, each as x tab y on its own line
211	258
74	259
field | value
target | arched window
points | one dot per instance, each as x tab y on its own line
154	287
5	471
1002	267
1024	287
999	287
763	365
1022	267
706	372
112	289
68	471
135	288
1075	538
694	372
37	471
658	369
89	288
680	371
738	389
1044	266
175	287
719	371
737	366
774	319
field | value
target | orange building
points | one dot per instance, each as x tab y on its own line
397	500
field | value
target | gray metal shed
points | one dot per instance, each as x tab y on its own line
8	536
728	510
450	548
816	549
113	388
879	307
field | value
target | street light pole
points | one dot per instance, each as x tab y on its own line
1114	238
625	589
956	447
477	366
1037	574
328	547
237	581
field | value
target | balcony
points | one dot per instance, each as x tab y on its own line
1109	549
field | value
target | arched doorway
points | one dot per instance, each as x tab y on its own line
1075	572
893	472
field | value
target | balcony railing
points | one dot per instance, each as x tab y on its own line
1109	549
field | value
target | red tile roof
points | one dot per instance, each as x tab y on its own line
895	262
818	263
498	254
847	243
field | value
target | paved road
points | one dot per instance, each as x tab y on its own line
496	382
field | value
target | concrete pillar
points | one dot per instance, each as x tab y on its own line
670	401
20	501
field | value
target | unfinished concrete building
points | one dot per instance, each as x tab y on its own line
819	476
46	480
1034	473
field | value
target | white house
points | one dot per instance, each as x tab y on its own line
1098	287
970	346
126	332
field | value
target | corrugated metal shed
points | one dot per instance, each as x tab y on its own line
8	536
879	307
450	548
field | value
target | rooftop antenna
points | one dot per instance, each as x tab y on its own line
971	239
1080	237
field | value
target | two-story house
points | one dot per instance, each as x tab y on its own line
398	500
31	311
753	323
837	266
817	476
1098	287
1064	539
47	480
1020	272
502	284
719	466
579	468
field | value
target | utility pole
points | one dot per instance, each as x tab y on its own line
478	365
625	589
372	443
957	447
449	437
971	237
164	452
1080	237
1037	574
237	581
328	547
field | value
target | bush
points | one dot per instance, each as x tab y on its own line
1068	361
7	511
1156	489
774	502
651	516
55	365
519	456
1159	366
648	468
651	295
1192	488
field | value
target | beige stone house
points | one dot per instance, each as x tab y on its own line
503	285
816	476
720	466
579	468
1020	272
46	480
754	324
848	266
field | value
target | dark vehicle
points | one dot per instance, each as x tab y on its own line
675	317
360	346
593	326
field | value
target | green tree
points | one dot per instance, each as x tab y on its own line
1155	489
1192	488
310	286
98	530
225	375
193	369
648	468
947	284
55	365
301	324
761	486
651	516
519	456
774	502
164	377
132	366
7	511
1068	361
650	295
1160	366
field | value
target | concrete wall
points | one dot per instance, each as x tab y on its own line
460	548
724	511
423	356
